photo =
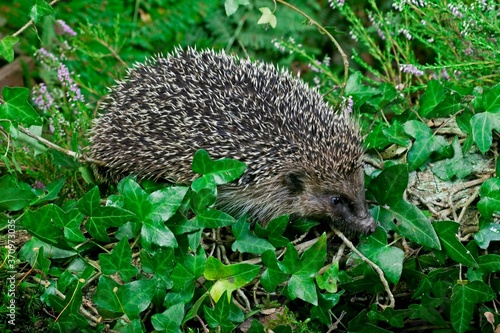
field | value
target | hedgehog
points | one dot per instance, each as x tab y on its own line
303	159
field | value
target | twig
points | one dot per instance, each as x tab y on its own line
323	30
30	22
377	269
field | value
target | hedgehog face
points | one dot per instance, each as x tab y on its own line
338	201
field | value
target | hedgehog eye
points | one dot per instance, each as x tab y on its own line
335	200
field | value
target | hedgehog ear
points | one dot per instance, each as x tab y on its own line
295	181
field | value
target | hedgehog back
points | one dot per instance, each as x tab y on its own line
169	107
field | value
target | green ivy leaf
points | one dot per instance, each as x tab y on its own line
232	5
389	185
303	271
213	219
228	277
489	263
447	232
220	315
325	303
328	280
396	134
414	225
267	17
458	165
247	241
376	139
119	260
165	202
39	10
487	233
130	299
482	126
154	231
434	94
491	99
388	258
161	263
464	300
7	47
220	172
274	231
272	276
54	226
50	192
17	108
490	198
360	93
169	320
424	145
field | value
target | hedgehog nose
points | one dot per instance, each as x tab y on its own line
369	224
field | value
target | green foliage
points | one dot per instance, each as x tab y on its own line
424	85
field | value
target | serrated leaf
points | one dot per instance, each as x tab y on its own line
228	277
17	108
267	17
414	225
482	126
464	300
388	258
7	47
447	232
39	10
247	241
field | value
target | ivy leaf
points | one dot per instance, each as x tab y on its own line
228	277
274	231
447	232
39	10
389	185
464	300
491	99
490	198
487	233
119	260
247	241
414	225
17	108
220	171
303	271
220	315
169	320
328	280
458	165
7	47
325	303
489	263
482	126
388	258
272	276
424	145
267	17
434	94
359	92
232	5
50	192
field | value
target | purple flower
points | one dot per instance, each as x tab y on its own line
347	104
42	98
38	184
454	10
65	29
412	69
336	3
73	93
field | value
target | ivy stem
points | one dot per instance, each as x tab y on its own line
377	269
